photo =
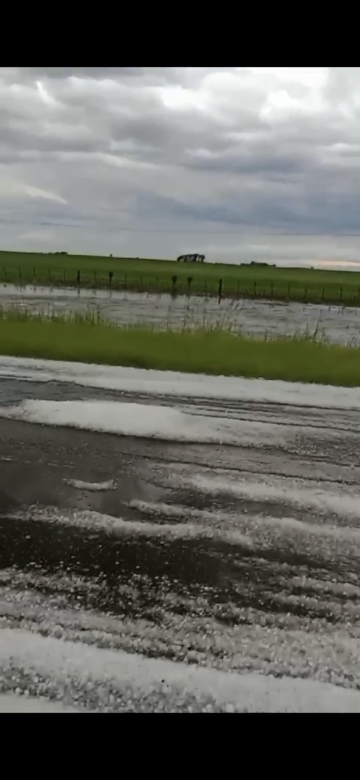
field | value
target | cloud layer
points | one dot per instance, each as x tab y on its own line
162	161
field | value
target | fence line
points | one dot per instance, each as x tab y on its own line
229	287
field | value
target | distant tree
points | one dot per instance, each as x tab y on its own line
193	258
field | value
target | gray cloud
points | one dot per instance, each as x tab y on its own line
155	161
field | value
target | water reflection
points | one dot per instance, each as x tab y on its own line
256	318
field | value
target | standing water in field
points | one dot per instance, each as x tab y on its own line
257	318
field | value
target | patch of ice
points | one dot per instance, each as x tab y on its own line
234	528
142	421
177	384
68	663
289	492
16	703
92	486
116	525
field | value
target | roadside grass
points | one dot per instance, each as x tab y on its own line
191	320
88	339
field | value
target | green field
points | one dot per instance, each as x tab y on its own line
141	274
210	352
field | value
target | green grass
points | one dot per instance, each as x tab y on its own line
210	352
300	284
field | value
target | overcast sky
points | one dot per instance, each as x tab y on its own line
158	162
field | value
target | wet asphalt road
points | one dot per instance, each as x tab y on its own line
241	558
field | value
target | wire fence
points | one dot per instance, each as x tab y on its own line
226	287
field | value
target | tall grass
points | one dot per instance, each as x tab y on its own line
90	340
191	319
21	314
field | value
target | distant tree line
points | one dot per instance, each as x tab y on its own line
191	258
262	265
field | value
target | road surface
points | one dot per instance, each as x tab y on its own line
215	573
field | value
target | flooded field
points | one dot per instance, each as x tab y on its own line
259	318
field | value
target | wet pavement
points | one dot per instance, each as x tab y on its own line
258	318
235	559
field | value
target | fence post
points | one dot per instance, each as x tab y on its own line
174	280
78	277
189	280
288	290
272	289
254	289
34	273
220	290
64	273
305	295
340	293
111	274
125	281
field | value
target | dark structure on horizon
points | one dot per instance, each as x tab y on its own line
191	258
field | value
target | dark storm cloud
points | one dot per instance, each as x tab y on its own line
92	73
285	215
162	75
161	149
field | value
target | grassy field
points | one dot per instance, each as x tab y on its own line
211	352
252	281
